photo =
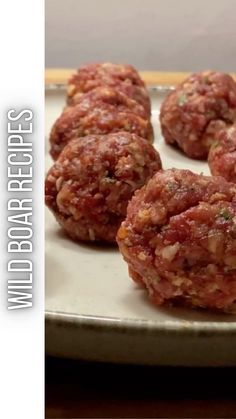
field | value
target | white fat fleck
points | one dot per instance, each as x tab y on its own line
178	281
153	281
142	256
231	309
213	287
127	242
91	234
213	243
144	214
59	182
169	252
230	131
230	261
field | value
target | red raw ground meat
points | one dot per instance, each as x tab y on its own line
194	112
110	96
123	78
222	155
91	116
179	239
90	184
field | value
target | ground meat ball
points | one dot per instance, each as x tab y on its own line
179	239
222	155
111	96
192	114
122	77
89	186
81	120
87	75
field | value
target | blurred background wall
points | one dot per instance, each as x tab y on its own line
171	35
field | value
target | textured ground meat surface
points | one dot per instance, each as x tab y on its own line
222	155
194	112
110	95
91	117
179	239
89	186
122	77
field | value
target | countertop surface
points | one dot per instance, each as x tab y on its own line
61	75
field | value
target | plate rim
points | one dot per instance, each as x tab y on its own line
187	328
161	88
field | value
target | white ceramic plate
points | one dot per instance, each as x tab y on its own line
95	312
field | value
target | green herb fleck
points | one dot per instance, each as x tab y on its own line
228	269
164	228
214	145
182	100
206	79
171	186
127	127
210	114
225	214
109	180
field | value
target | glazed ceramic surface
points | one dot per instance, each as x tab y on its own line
95	312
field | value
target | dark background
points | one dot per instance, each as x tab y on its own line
91	390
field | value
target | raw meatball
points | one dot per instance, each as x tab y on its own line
87	75
89	186
179	239
122	77
222	155
89	117
193	113
111	96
